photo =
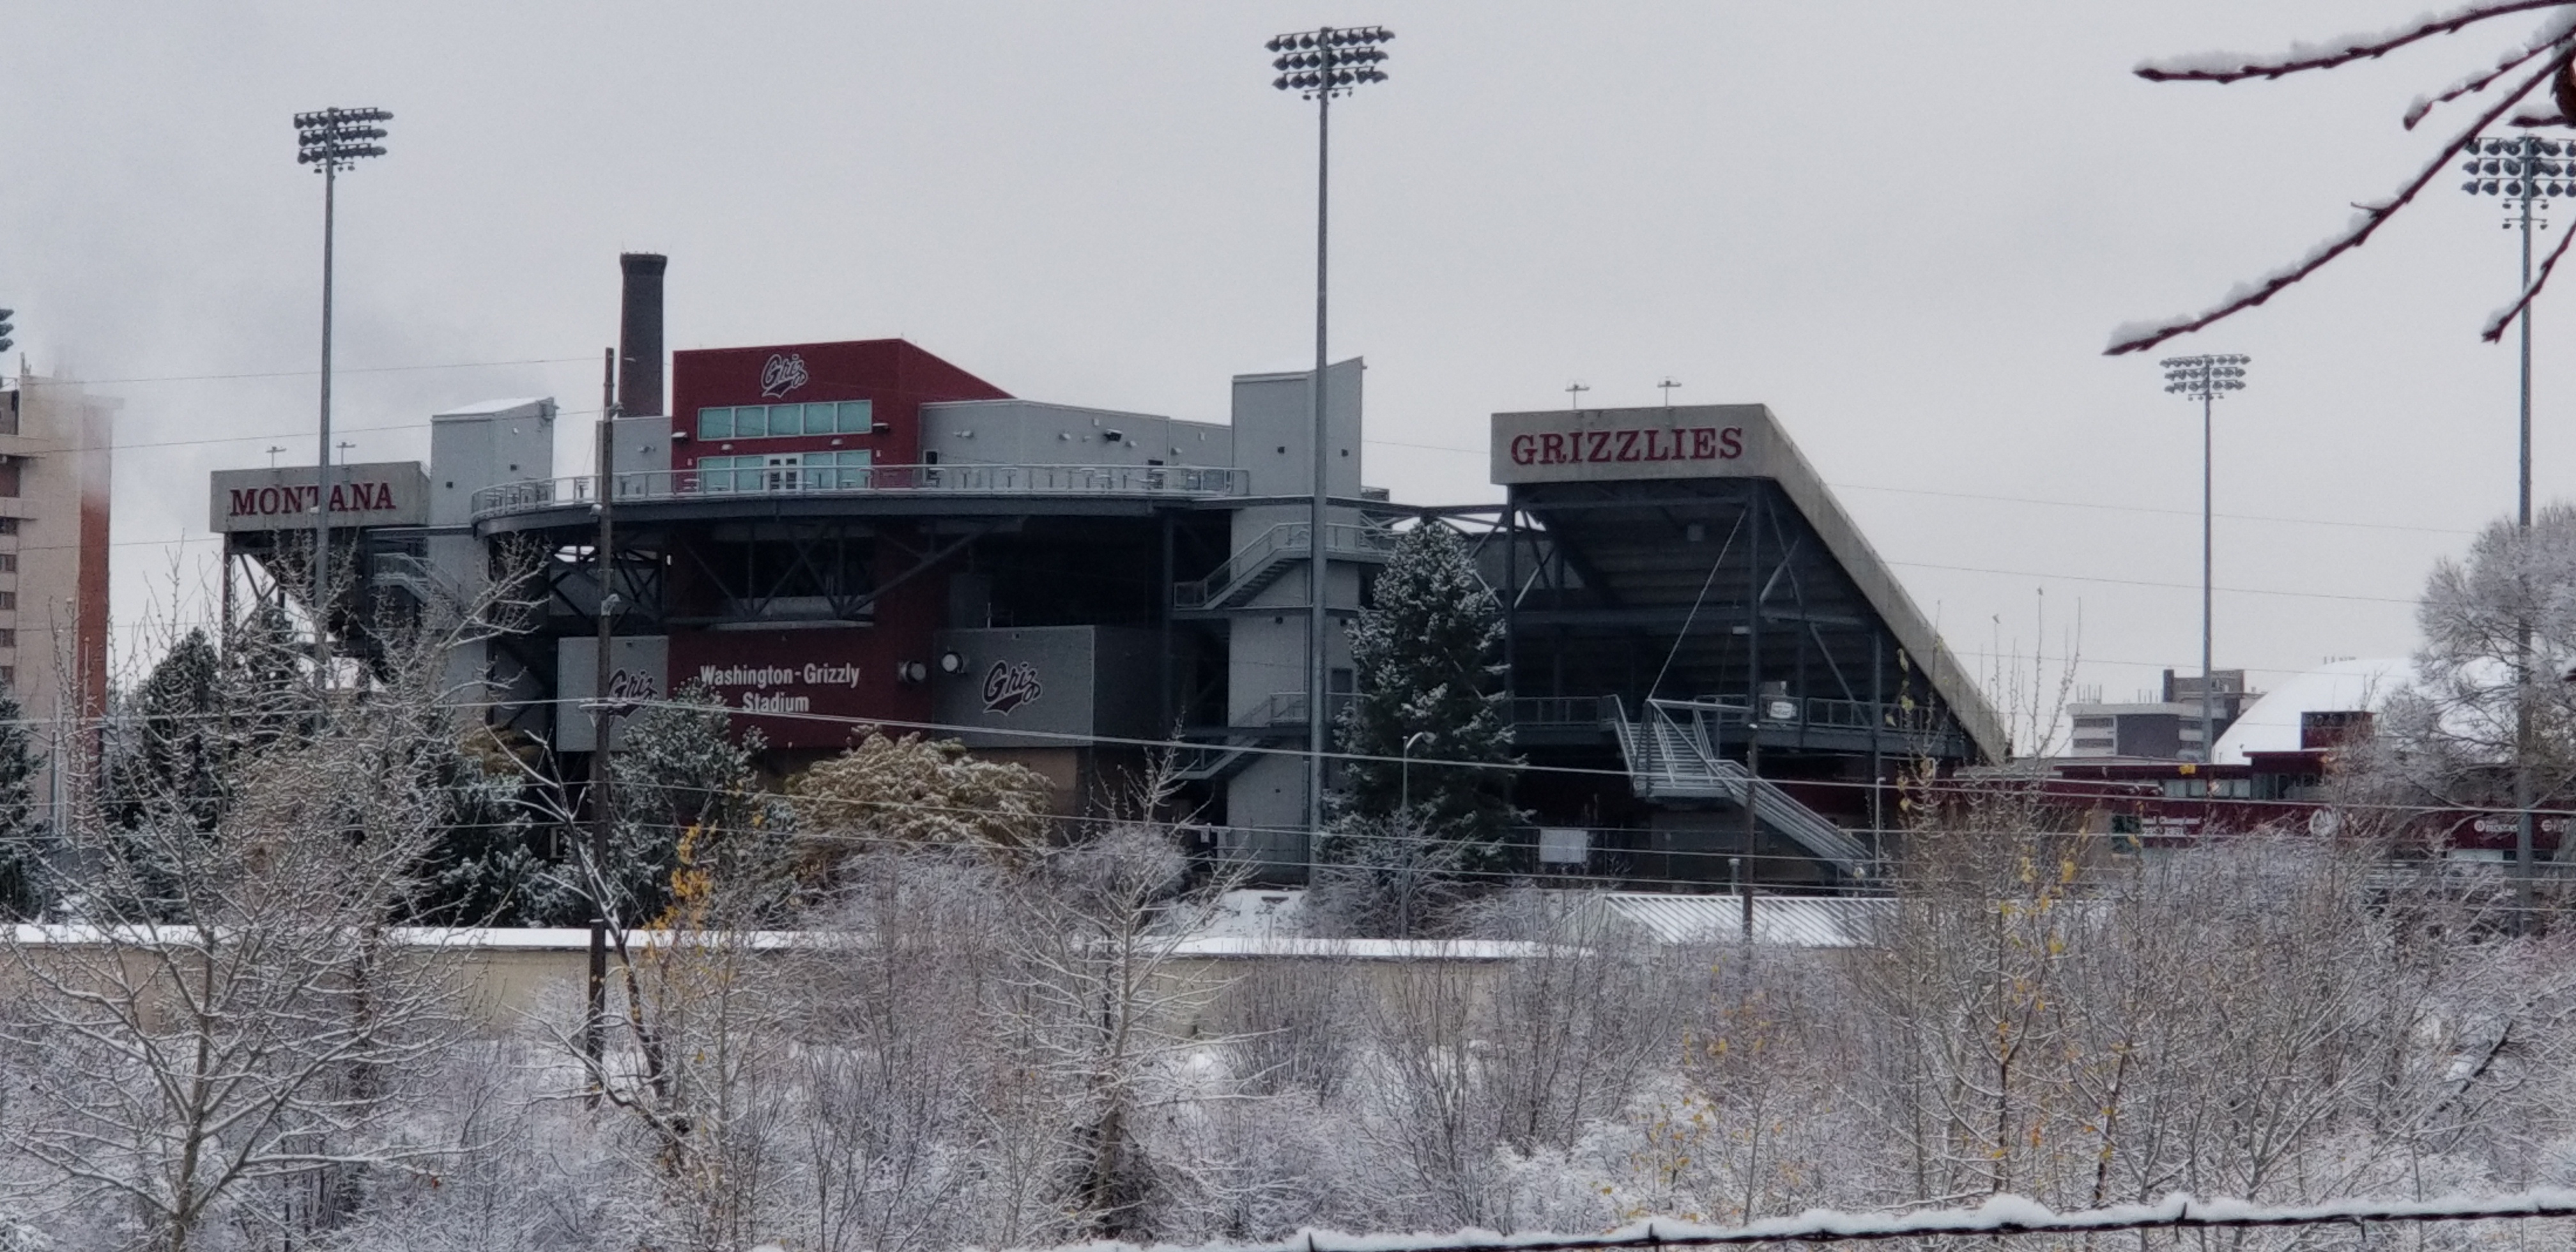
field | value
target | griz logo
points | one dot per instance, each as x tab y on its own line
1008	686
627	688
785	372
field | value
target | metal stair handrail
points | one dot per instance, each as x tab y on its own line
1267	550
1670	751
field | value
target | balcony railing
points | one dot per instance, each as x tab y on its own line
1258	563
809	481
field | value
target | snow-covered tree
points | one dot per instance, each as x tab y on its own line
913	792
496	861
679	769
2453	736
1427	725
2531	82
232	1018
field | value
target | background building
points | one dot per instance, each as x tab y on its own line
2167	729
55	469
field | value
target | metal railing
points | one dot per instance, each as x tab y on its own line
1268	551
1288	708
1586	711
863	480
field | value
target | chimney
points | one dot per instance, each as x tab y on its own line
639	335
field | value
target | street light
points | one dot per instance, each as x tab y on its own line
2205	378
2523	171
330	141
1318	65
1404	790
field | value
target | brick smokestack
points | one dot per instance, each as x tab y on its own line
639	335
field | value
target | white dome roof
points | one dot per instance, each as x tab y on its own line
2272	723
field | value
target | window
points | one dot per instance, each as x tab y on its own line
9	475
8	562
786	471
8	636
8	676
770	421
8	599
8	525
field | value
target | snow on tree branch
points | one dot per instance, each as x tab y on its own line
2504	317
2230	67
2551	37
2366	221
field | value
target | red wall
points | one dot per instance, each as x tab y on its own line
898	377
905	619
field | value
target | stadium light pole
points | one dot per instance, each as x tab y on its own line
2523	171
2205	378
330	140
1318	65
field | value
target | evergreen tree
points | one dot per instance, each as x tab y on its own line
169	763
680	774
494	861
1427	655
23	842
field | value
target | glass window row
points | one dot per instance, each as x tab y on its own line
792	471
765	421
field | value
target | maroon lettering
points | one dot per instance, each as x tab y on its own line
1703	445
1524	447
1551	449
1731	442
1596	445
1627	445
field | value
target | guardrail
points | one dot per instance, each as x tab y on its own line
1256	562
1585	711
805	481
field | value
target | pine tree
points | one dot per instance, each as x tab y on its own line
679	770
170	766
492	864
1427	655
22	827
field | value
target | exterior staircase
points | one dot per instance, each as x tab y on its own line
1670	756
1272	554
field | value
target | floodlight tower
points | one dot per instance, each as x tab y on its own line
1318	65
331	140
2523	171
2205	378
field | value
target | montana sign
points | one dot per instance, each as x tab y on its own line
390	493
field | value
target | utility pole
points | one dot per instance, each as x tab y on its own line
604	564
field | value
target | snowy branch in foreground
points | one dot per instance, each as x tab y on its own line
2140	336
2551	34
2002	1215
2504	317
2231	67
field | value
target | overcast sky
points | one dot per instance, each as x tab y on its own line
1908	228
